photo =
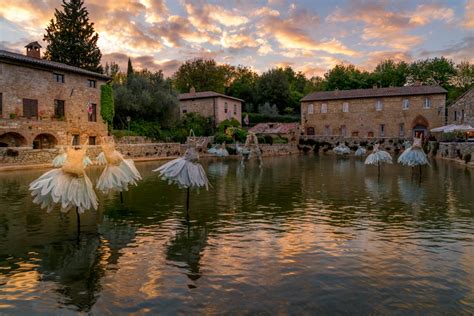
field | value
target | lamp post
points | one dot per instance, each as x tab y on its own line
128	122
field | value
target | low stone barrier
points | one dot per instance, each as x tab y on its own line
14	157
28	156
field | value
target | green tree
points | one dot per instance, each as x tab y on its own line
464	77
145	96
129	68
390	73
71	37
438	70
243	86
273	88
347	77
203	75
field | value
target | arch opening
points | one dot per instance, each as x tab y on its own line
44	141
12	139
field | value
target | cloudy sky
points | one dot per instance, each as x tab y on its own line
309	35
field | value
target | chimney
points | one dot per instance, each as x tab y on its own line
33	49
192	90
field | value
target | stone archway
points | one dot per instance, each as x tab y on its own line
420	126
44	141
12	139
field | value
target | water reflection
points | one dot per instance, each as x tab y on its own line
327	229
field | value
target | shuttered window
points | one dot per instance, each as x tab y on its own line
30	108
59	109
93	113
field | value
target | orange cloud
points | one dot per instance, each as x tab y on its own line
468	21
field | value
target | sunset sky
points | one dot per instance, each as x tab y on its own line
311	36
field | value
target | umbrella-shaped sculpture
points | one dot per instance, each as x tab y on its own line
67	186
414	156
377	157
360	151
186	172
250	149
342	149
219	150
119	173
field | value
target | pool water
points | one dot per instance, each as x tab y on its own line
302	235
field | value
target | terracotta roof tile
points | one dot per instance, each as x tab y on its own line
205	94
373	93
43	63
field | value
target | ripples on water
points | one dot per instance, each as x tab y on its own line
305	234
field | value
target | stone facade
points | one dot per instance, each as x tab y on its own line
49	87
462	111
455	150
389	116
217	106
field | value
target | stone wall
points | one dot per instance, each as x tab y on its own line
214	107
364	120
28	156
21	82
389	143
454	150
462	111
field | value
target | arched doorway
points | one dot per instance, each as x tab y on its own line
44	141
310	131
420	126
12	139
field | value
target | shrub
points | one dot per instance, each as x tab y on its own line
222	137
107	108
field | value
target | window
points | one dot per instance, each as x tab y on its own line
235	109
184	109
382	130
58	77
30	108
370	134
427	103
455	115
310	131
92	111
310	108
59	109
355	134
324	108
91	140
462	116
91	83
402	130
327	130
345	107
1	104
378	105
343	130
225	107
406	104
75	139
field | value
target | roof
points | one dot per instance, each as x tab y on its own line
468	94
373	93
274	128
47	64
205	94
35	43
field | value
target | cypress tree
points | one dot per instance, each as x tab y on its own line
129	68
71	37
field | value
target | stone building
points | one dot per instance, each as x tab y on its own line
462	110
45	103
211	104
395	112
